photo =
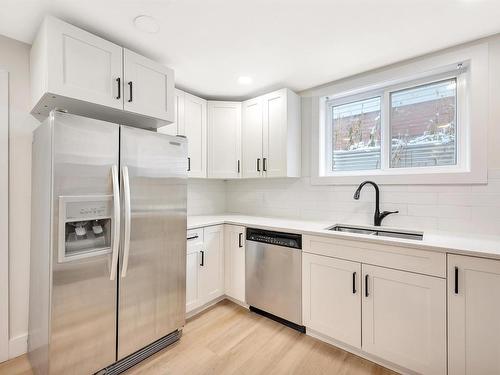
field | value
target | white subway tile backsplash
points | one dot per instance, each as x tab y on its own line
475	208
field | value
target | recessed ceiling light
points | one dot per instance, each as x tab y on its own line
244	80
146	24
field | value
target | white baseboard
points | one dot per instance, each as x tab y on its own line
18	346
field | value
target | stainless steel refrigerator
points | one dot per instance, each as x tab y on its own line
108	245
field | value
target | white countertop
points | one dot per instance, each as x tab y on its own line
456	243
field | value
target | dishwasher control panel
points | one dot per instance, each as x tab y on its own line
275	238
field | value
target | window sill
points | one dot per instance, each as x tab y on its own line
406	178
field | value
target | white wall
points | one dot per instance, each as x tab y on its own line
14	58
471	208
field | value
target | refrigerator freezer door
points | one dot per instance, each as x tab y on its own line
83	304
152	276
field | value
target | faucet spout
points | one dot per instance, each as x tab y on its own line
377	216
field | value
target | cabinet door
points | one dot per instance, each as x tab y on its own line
224	139
211	281
148	87
195	129
404	318
473	315
275	134
177	127
83	66
331	297
194	247
252	138
234	261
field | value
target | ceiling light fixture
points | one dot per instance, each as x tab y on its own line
146	24
244	80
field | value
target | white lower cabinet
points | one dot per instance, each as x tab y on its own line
473	316
404	318
331	290
234	258
212	264
204	266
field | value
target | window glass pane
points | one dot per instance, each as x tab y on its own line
356	135
423	125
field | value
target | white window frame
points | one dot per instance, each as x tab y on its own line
472	113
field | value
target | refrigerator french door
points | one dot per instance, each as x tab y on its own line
107	244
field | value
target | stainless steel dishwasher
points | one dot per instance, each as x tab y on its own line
273	269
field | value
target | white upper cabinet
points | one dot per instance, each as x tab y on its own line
224	139
71	62
271	135
404	319
252	138
148	87
473	315
331	295
177	127
281	134
77	71
194	115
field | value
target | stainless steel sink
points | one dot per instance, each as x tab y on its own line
374	231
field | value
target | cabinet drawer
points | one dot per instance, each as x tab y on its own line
398	257
194	239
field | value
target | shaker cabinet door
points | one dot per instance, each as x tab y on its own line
224	139
473	315
82	65
148	87
252	138
404	318
195	129
331	293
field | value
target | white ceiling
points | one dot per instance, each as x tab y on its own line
279	43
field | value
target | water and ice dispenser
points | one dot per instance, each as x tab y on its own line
85	228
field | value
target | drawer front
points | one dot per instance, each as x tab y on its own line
397	257
194	239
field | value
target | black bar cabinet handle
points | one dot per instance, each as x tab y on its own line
264	164
240	237
130	91
258	165
202	258
119	83
354	283
193	237
238	166
456	280
189	164
366	286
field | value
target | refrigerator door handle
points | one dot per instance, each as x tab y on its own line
116	222
127	214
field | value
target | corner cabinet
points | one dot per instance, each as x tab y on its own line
271	135
473	315
234	262
224	139
74	70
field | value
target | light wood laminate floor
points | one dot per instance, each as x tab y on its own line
228	339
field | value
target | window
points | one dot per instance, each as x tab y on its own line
423	125
356	135
395	129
